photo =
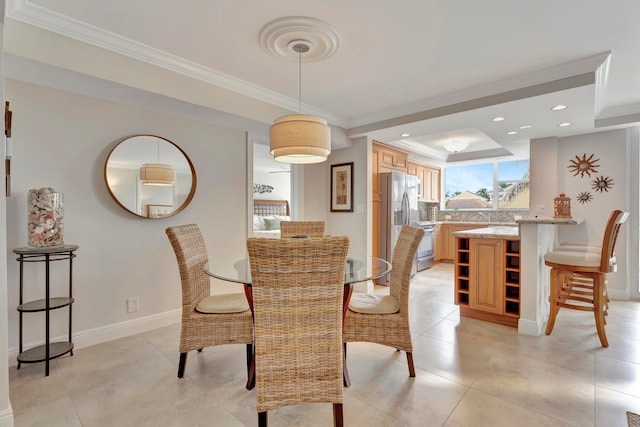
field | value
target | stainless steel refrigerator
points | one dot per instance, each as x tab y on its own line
398	207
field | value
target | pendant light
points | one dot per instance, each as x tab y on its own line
300	138
159	174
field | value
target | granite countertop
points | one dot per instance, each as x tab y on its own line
481	223
497	232
558	221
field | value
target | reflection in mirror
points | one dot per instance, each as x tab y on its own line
150	176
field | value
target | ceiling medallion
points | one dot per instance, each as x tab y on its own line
583	165
602	184
276	38
584	197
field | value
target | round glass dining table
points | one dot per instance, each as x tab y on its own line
356	270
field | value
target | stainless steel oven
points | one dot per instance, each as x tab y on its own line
424	257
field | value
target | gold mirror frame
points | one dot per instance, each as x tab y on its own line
124	182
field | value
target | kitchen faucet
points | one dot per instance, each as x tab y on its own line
485	215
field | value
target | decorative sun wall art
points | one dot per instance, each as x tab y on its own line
602	183
583	165
584	197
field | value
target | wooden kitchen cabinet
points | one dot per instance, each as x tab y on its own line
431	185
446	243
429	181
486	265
391	159
487	279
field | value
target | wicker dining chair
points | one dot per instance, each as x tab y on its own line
207	320
384	319
578	277
297	287
302	228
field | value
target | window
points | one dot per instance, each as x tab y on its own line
476	186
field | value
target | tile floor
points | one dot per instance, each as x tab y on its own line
469	373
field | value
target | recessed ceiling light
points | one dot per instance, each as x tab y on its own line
513	132
565	124
525	127
404	135
558	107
498	119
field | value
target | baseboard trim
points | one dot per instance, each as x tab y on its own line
110	332
6	417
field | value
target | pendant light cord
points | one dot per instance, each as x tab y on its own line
300	48
300	81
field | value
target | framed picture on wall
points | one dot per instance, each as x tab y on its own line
342	187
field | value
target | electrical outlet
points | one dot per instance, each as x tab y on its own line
132	305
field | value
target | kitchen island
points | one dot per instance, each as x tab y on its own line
487	274
500	275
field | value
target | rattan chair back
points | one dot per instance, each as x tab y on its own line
391	329
302	228
200	330
297	287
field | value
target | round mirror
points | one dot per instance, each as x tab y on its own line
150	176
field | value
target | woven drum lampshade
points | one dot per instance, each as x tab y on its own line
157	174
300	138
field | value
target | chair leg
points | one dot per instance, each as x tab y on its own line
555	286
262	419
249	351
346	381
412	370
337	415
598	297
251	369
182	364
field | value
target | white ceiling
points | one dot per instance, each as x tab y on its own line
436	69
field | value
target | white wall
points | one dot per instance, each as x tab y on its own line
550	175
62	140
316	194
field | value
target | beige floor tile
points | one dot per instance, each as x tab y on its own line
621	347
612	407
579	365
482	410
55	413
427	399
458	363
618	375
541	391
30	388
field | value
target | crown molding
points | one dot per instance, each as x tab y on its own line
41	17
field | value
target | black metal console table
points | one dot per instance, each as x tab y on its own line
48	350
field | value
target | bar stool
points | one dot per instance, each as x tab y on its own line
578	277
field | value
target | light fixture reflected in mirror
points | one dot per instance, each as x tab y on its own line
455	145
300	138
157	174
160	174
